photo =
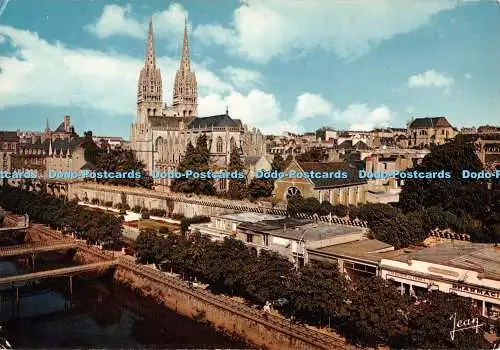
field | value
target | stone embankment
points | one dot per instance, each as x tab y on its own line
186	205
264	330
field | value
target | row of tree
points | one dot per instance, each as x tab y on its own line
368	312
94	226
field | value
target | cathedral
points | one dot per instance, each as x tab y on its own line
161	133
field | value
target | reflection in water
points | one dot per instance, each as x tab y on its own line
98	315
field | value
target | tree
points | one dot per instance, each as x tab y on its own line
279	163
148	248
195	160
374	314
317	293
237	187
298	205
400	230
314	154
260	188
429	323
123	161
265	277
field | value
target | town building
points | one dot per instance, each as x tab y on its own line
335	189
9	144
292	238
58	155
357	258
160	134
110	142
255	163
423	132
467	269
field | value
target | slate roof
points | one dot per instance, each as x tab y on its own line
222	120
345	144
9	136
251	160
473	256
352	177
60	128
58	145
360	145
430	123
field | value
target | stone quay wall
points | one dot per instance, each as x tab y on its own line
187	205
266	331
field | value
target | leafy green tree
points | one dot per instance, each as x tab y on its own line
314	154
195	160
400	230
279	163
148	248
265	277
317	293
298	205
237	187
374	314
429	323
119	160
325	208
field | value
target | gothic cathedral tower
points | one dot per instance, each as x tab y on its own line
185	86
149	90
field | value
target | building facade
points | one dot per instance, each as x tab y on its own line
423	132
161	133
9	145
336	190
470	270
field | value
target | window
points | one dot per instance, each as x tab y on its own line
292	192
249	238
266	240
219	145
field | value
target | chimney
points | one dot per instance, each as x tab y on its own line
67	123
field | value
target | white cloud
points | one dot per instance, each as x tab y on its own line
311	105
118	20
261	30
242	77
430	78
42	73
468	76
361	117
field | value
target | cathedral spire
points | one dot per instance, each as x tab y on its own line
150	53
185	64
47	129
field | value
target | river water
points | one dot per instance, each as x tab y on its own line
99	314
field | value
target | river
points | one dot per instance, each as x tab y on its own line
99	314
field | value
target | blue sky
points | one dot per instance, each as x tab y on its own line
279	65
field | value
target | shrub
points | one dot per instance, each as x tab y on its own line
177	216
137	209
158	212
185	222
145	215
94	201
108	204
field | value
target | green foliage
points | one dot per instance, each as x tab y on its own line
260	188
317	293
148	248
91	150
297	205
145	215
237	187
88	224
158	212
279	163
371	316
314	154
123	161
429	323
185	222
197	160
